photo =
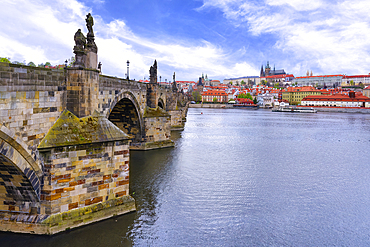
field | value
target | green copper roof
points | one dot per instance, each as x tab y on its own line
71	130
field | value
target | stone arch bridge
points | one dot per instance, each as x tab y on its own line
65	137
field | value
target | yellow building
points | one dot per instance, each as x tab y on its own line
294	95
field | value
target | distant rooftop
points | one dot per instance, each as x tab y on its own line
242	77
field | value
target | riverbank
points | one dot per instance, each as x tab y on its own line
340	109
218	106
319	109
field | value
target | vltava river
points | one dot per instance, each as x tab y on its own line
243	178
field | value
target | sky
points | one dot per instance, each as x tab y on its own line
220	38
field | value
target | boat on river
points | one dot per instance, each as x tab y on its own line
295	109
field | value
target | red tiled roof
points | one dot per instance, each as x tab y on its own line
301	77
244	101
214	93
301	89
355	76
280	76
336	97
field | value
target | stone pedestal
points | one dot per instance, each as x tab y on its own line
80	57
82	91
91	60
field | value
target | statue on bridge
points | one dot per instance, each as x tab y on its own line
91	46
153	72
80	41
174	86
89	24
79	49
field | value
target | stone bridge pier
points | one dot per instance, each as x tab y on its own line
66	135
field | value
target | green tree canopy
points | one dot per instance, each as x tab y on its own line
214	100
196	96
5	59
245	96
31	64
255	100
47	64
71	61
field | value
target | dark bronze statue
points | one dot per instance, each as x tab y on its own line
174	85
91	46
89	24
153	72
80	40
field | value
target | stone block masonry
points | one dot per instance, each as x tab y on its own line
83	175
85	178
65	136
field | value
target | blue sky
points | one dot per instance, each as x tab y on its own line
221	38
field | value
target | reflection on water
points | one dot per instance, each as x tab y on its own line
243	178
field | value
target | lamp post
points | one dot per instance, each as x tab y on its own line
128	64
160	79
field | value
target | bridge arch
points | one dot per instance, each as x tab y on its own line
161	103
125	114
20	175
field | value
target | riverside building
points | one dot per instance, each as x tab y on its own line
337	100
319	81
294	95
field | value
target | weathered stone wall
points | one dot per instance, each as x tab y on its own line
157	123
177	122
80	176
82	91
151	95
157	129
31	100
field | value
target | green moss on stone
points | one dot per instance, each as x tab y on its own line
71	130
155	112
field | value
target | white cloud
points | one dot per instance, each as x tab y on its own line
39	32
43	31
324	36
300	5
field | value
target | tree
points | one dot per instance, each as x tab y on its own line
196	96
41	65
47	64
242	82
245	96
16	62
255	101
32	64
5	59
71	61
214	100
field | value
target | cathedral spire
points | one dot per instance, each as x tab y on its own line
261	73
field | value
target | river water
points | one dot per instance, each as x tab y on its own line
241	177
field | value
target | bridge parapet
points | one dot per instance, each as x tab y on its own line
65	137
